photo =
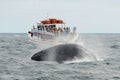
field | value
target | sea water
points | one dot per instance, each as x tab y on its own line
16	64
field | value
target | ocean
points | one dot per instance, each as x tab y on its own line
16	64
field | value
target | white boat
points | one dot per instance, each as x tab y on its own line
53	30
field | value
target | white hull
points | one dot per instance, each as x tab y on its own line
69	38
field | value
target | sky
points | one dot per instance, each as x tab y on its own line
88	16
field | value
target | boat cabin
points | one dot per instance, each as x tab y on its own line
46	27
50	27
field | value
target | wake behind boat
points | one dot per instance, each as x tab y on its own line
53	30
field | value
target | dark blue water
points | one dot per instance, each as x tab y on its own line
16	51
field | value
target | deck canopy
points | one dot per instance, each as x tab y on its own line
52	21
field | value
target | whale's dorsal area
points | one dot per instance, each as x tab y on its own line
60	53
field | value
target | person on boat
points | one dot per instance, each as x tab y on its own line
74	30
31	34
61	31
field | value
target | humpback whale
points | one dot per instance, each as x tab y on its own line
63	52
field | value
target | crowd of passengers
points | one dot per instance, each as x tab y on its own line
54	29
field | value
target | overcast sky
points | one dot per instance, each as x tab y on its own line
89	16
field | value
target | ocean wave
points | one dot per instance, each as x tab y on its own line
115	46
15	62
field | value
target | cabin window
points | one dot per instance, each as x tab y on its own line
39	28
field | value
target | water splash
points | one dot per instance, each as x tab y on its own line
89	54
94	46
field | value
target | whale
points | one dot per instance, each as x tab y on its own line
63	52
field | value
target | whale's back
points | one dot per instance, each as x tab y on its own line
60	53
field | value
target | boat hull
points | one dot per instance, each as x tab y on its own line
69	38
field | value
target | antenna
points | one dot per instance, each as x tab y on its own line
47	16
